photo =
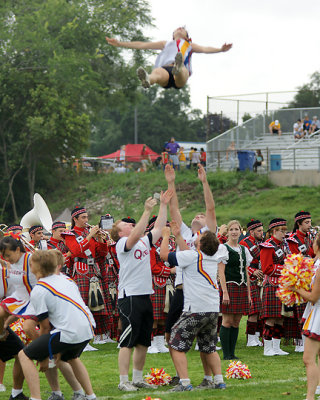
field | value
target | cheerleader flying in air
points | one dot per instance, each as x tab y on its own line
173	64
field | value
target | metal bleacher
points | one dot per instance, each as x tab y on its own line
254	134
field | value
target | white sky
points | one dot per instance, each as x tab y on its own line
276	46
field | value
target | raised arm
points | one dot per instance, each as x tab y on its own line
164	247
211	219
140	228
137	45
179	239
196	48
170	176
162	216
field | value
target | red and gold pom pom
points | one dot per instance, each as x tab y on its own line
297	272
237	370
17	328
151	398
158	377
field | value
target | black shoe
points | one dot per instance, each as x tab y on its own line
234	357
20	396
174	381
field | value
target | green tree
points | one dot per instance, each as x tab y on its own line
57	73
308	94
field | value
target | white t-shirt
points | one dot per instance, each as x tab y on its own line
171	48
58	297
200	287
135	276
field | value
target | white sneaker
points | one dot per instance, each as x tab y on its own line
107	339
178	64
153	349
299	346
218	348
143	385
159	341
196	347
268	348
252	342
89	348
257	335
318	390
2	387
98	340
144	77
127	387
276	347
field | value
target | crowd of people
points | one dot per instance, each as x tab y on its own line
301	128
148	284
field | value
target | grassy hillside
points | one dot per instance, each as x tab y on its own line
237	195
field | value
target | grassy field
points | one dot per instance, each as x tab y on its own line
237	195
273	378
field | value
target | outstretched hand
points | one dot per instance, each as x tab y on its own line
166	196
169	173
226	47
150	203
165	231
112	41
202	173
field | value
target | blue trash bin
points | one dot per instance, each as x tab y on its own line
275	162
246	159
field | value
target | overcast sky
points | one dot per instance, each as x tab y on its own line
276	45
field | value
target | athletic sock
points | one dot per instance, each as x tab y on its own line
137	375
225	341
251	328
233	340
185	382
15	392
208	378
80	391
124	378
218	379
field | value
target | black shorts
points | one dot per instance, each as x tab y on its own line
171	82
136	315
10	347
175	309
39	348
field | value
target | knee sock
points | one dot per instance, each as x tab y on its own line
161	330
251	328
277	331
233	340
154	333
225	341
267	332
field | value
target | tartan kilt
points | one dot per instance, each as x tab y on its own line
158	299
300	310
291	328
256	304
271	304
239	303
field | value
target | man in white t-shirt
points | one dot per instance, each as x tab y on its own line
201	303
135	288
58	304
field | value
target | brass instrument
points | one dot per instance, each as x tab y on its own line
22	239
103	233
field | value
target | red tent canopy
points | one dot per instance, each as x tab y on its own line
133	153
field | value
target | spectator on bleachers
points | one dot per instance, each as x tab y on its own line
258	160
298	129
306	125
275	127
315	125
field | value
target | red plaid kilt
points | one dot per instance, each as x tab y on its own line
291	328
300	310
103	317
239	303
256	304
271	304
158	300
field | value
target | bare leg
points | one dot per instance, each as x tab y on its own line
3	317
52	378
159	76
68	375
139	357
213	362
311	349
182	77
31	375
82	375
29	327
206	367
124	360
180	362
17	375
